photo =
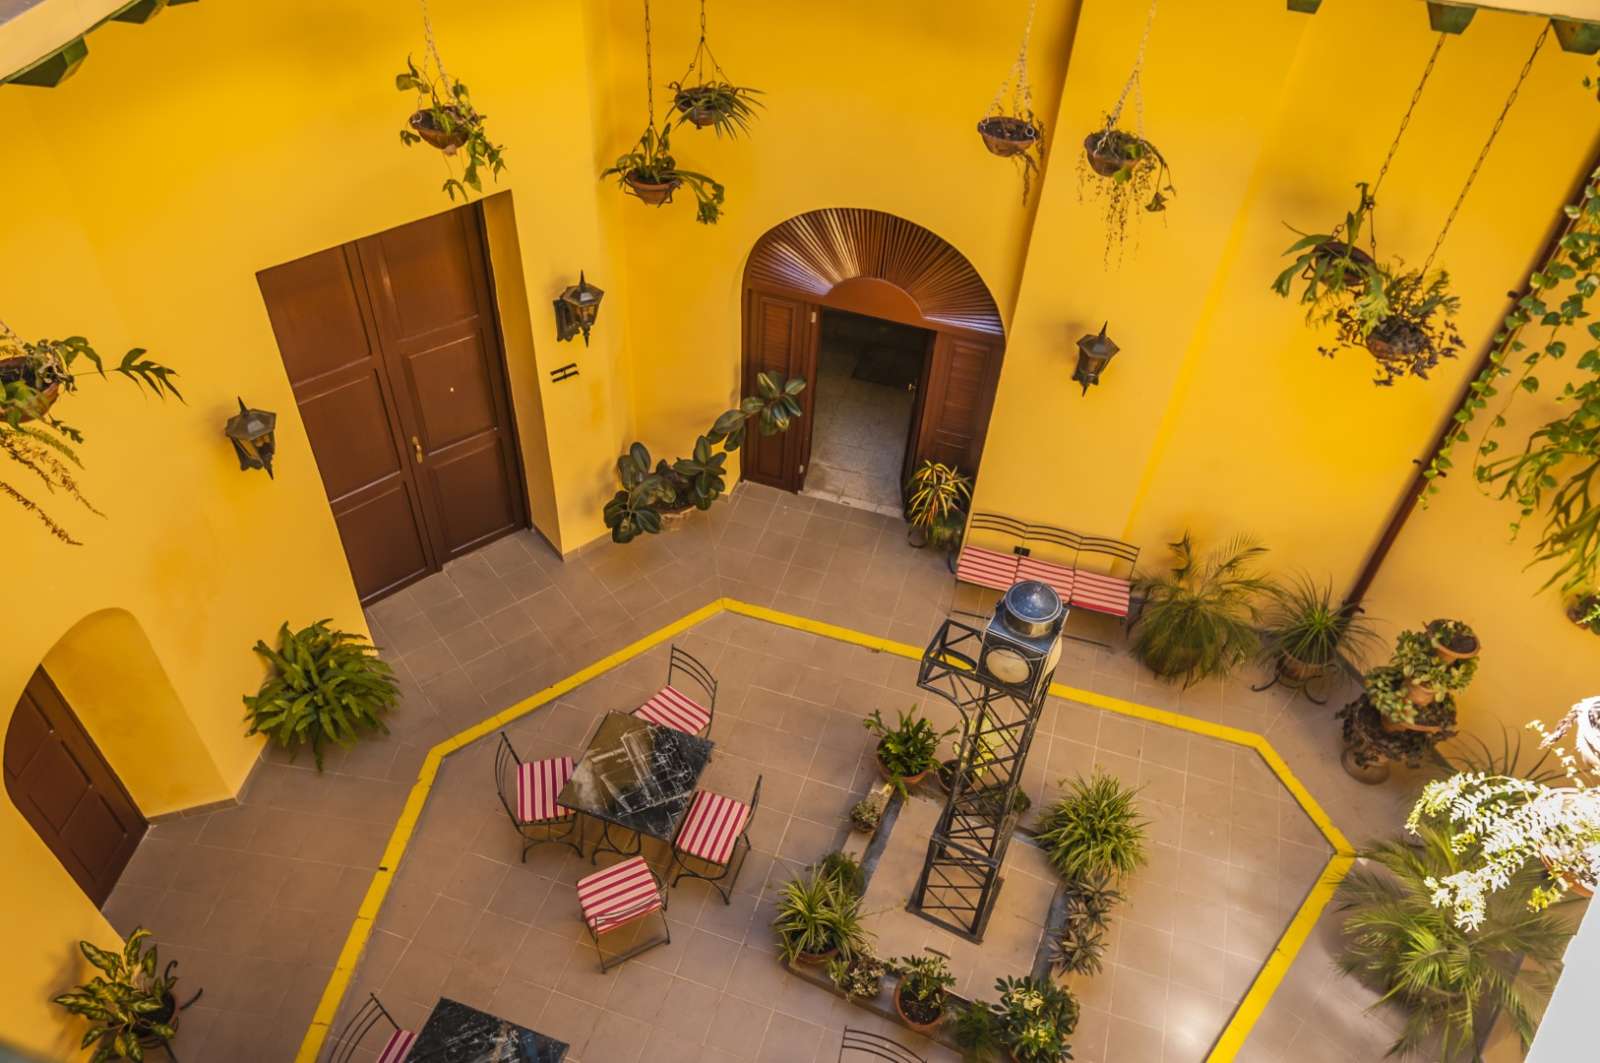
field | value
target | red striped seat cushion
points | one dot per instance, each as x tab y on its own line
712	826
1100	592
986	568
671	707
619	894
1057	577
395	1049
539	782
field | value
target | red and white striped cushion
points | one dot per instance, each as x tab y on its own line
671	707
986	568
712	826
399	1043
1058	578
1101	593
608	897
539	782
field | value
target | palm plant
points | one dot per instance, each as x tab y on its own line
1093	829
1198	621
1403	946
1304	631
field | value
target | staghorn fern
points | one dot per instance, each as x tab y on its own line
325	685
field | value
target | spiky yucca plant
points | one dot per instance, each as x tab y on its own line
1198	620
325	686
1304	623
1400	944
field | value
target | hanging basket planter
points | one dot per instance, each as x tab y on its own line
1007	135
426	124
46	381
651	191
706	98
1013	131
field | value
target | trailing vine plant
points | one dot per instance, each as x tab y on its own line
705	97
32	377
1123	169
444	118
1016	133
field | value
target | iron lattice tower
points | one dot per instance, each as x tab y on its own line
960	878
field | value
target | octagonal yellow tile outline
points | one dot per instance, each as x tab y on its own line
1233	1035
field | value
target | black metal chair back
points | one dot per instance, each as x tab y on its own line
682	661
1000	524
357	1027
858	1043
1069	541
506	766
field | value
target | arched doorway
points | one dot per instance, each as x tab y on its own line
844	284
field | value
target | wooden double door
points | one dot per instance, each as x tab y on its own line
392	347
67	792
948	423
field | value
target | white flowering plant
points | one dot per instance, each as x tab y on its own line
1500	824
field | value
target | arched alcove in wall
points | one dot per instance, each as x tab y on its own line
881	266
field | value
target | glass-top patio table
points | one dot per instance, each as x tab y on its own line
638	776
457	1033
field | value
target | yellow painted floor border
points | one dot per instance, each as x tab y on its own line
1233	1035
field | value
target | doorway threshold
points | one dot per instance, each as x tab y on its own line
854	503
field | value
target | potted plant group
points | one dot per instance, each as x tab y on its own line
1431	672
1199	618
128	1004
922	980
1034	1019
650	492
324	686
444	118
936	498
1093	829
908	750
1305	634
818	918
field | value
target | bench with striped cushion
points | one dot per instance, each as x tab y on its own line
712	826
671	707
987	568
1057	577
539	783
395	1049
1101	593
619	894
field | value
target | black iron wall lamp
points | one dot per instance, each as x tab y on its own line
576	309
250	432
1095	352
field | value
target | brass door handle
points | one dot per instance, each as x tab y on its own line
416	449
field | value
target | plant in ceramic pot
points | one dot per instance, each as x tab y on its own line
923	980
936	498
1453	639
1333	271
444	118
650	172
1011	130
1034	1019
1414	329
706	98
128	1005
908	750
324	686
1428	673
1305	634
858	977
1199	618
1400	943
1093	828
1125	172
818	919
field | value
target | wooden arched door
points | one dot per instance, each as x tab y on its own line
873	263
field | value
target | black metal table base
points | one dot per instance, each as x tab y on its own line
1298	686
605	843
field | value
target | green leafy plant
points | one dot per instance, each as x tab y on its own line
1400	944
650	172
1415	329
1124	171
699	480
866	813
32	377
1305	630
1585	612
1034	1019
125	1002
936	498
1421	665
325	686
924	979
1385	687
908	749
1335	272
975	1030
845	870
1093	828
726	109
444	118
1198	620
1080	948
858	977
1554	472
816	916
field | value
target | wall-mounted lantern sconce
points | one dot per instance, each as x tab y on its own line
1094	354
576	309
250	432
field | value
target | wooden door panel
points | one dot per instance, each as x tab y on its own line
428	273
383	544
350	437
65	789
475	487
459	403
316	315
779	339
954	415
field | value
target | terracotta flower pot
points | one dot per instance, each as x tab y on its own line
1295	668
423	124
1371	775
652	192
1448	652
1007	136
815	959
691	103
1419	695
900	1010
909	780
1395	726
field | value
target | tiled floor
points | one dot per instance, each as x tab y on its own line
858	442
255	900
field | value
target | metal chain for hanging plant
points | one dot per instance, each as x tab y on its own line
445	118
1015	133
706	96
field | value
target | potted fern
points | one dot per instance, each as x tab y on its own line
1405	320
1332	269
1199	618
129	1006
324	686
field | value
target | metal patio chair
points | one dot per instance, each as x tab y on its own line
369	1015
863	1043
711	835
672	706
528	790
620	896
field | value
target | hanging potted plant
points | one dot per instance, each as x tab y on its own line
919	992
936	498
1332	268
1014	131
706	98
1585	612
444	118
1407	328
